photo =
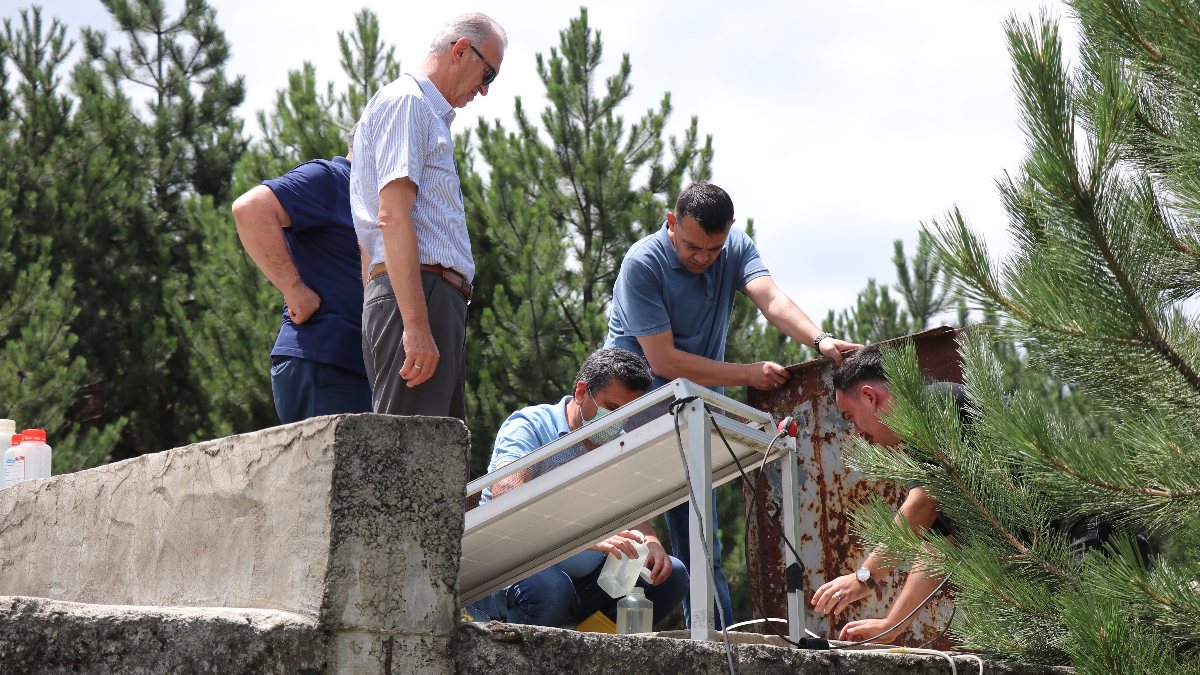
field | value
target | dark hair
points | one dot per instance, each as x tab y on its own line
708	204
622	365
861	365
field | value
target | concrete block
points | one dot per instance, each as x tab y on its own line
487	649
353	522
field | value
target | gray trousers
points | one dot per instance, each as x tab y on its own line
444	394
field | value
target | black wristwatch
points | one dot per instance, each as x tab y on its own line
864	575
822	336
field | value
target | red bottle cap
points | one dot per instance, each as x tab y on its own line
37	435
17	438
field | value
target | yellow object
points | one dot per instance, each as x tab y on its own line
597	623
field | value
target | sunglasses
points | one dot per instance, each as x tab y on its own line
488	77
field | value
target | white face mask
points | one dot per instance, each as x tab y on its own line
605	435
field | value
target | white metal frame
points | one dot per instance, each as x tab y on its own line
523	501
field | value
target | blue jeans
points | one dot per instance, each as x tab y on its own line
304	389
678	525
552	598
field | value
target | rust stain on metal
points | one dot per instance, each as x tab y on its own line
828	496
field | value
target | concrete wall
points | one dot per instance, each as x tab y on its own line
489	649
352	523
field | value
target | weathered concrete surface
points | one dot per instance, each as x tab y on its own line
352	521
495	648
52	636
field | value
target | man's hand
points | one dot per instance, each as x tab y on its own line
869	628
420	355
302	303
766	375
833	348
658	561
836	595
620	545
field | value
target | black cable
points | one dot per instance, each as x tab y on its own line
945	629
906	617
783	537
674	409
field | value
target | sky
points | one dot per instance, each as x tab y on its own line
838	127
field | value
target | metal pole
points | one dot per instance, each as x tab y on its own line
793	480
699	458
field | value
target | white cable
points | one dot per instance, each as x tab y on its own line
774	619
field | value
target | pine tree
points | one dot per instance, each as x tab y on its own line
559	208
44	377
1104	215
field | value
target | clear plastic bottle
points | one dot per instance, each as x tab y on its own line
635	613
14	463
37	454
619	575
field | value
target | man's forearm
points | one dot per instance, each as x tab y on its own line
917	587
403	267
703	371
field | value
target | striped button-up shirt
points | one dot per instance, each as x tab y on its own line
405	132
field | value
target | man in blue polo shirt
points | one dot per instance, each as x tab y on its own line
672	302
298	230
566	593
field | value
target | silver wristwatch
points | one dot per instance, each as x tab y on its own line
864	575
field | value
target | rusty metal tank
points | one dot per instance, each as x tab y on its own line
828	497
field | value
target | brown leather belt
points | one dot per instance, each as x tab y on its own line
458	281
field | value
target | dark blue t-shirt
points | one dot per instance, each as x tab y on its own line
316	196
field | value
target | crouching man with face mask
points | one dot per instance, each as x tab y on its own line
566	593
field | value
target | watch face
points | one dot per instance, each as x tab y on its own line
863	574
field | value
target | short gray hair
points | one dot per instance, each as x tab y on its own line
350	137
475	26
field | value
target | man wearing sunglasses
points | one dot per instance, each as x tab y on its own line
408	213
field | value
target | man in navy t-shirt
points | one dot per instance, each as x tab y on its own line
672	302
298	230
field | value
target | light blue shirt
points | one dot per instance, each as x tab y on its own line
654	292
404	132
527	430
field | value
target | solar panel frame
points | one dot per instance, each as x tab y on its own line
523	531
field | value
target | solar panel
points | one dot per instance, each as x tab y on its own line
567	506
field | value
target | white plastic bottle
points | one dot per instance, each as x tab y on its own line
37	454
619	575
635	613
14	463
8	429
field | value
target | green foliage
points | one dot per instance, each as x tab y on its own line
46	382
1103	215
558	209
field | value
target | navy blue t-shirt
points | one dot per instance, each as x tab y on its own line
321	239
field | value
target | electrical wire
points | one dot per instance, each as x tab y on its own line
674	408
901	621
779	528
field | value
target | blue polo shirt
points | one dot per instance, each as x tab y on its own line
322	243
654	292
527	430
